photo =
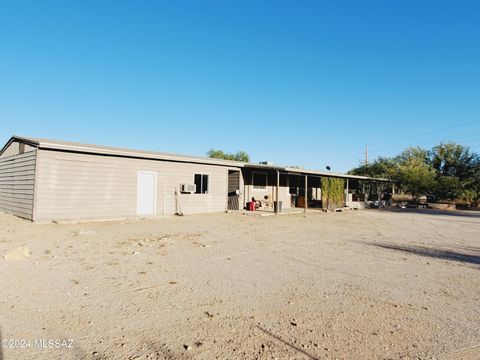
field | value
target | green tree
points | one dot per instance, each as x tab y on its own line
415	154
474	183
242	156
381	167
219	154
448	170
450	159
332	193
448	187
414	177
412	172
455	166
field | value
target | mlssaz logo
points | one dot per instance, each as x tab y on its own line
54	343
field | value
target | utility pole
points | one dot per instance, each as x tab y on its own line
366	155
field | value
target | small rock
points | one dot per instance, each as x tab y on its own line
18	253
209	315
293	323
187	347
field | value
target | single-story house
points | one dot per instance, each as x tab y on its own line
45	180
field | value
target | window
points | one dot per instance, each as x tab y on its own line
201	184
259	180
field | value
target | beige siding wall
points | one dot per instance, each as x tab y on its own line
270	190
17	182
179	173
81	186
14	149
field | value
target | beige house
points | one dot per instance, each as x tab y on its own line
44	180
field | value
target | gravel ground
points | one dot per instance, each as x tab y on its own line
364	284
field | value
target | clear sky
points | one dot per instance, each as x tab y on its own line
305	83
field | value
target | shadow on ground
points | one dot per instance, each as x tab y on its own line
473	257
473	214
296	348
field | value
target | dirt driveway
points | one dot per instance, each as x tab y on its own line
354	285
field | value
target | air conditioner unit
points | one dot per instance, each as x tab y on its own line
187	188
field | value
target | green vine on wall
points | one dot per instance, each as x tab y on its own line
332	193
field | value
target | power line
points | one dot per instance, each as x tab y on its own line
426	133
429	140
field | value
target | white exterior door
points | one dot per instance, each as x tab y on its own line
146	192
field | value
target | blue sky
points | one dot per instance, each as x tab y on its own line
306	83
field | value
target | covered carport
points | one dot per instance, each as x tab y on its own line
302	188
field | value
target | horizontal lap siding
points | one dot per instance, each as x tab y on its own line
75	186
17	181
14	149
79	186
183	173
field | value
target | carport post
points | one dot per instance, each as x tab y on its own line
277	208
306	194
346	194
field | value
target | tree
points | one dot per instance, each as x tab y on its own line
242	156
474	183
414	177
381	167
412	173
454	165
450	159
219	154
450	171
448	187
416	154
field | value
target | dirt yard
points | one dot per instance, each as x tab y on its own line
354	285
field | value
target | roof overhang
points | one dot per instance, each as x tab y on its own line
141	154
120	152
299	171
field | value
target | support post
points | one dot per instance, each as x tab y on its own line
305	202
277	210
346	194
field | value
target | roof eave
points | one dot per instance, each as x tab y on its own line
18	138
139	154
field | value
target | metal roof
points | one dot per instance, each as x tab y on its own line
295	170
118	151
124	152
